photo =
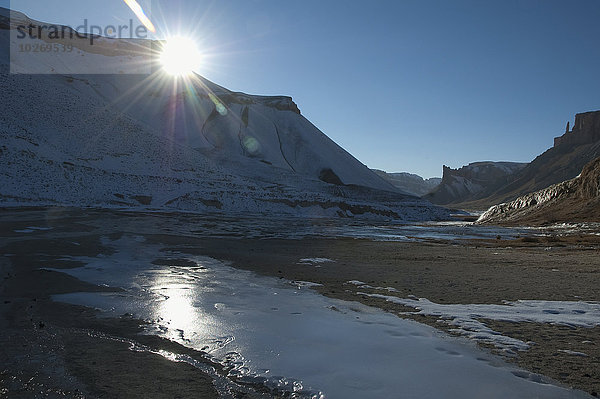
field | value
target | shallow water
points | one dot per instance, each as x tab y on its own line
252	227
244	226
287	337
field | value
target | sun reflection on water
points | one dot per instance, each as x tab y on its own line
176	312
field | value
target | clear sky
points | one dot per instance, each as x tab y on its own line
403	85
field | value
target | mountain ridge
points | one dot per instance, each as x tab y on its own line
132	140
572	201
564	161
409	182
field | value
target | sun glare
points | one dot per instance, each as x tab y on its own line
180	56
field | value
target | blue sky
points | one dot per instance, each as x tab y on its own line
402	85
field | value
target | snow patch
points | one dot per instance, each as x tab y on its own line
314	261
467	318
304	284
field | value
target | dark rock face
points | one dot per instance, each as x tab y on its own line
589	181
586	130
572	201
328	176
468	182
482	171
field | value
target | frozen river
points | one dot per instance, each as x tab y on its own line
284	335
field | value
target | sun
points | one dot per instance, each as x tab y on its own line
180	56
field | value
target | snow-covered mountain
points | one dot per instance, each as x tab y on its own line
410	183
155	141
466	183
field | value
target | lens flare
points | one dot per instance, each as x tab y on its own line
180	56
139	12
221	109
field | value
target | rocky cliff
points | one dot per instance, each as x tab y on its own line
585	130
466	183
571	152
564	161
572	201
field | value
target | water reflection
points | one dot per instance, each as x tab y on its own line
181	289
266	331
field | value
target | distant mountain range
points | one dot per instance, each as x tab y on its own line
126	140
481	185
410	183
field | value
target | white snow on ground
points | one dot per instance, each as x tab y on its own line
314	261
574	353
288	337
467	318
362	284
304	284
